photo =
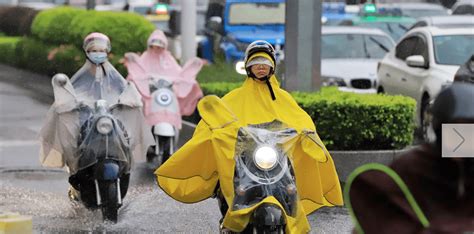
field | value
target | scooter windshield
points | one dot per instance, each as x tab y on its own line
103	137
263	166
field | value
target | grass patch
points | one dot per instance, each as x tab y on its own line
220	71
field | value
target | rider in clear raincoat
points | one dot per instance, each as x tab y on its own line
259	112
97	79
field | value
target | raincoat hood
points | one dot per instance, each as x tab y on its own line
193	172
156	36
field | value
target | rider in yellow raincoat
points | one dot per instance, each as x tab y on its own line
193	172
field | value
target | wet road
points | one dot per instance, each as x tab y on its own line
29	189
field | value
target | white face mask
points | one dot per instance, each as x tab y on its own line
98	57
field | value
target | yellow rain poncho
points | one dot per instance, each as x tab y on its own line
192	173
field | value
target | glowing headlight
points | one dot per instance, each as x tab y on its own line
240	68
332	81
265	157
163	98
104	125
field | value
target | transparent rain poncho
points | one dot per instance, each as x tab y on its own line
94	145
92	83
62	140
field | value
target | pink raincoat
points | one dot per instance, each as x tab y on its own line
163	64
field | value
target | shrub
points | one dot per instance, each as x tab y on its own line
220	71
33	55
7	50
54	26
218	88
48	59
348	121
16	21
127	32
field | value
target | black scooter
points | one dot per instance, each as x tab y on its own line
104	160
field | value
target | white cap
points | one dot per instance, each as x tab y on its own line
260	60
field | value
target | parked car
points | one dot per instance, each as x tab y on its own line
388	19
425	60
349	57
419	9
333	13
445	21
463	7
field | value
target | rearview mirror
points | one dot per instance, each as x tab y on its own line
416	61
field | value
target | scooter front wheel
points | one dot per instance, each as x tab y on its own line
268	230
110	205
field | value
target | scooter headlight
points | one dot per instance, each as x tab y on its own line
265	157
240	68
104	125
164	98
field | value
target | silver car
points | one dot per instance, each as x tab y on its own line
349	57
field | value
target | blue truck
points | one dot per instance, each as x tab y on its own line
241	22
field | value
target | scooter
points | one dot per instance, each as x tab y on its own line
166	99
104	158
165	133
263	169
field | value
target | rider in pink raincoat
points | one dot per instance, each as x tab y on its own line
157	61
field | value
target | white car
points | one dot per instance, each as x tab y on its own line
424	61
418	9
349	57
463	7
445	21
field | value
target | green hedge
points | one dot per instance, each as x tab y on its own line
218	88
54	26
48	59
8	50
44	58
64	25
220	71
348	121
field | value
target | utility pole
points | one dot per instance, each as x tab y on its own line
188	30
303	45
90	5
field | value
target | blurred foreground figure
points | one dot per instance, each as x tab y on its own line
439	192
